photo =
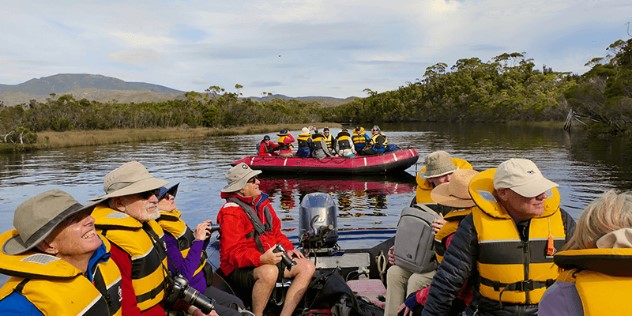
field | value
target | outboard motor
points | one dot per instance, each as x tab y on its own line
317	222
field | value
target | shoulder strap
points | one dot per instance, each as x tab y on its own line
260	228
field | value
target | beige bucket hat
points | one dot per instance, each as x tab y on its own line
38	216
130	178
238	176
438	163
523	177
455	193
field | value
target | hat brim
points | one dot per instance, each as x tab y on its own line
134	188
173	190
441	195
425	175
241	182
535	188
15	246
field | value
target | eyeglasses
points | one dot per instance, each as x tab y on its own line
252	180
147	194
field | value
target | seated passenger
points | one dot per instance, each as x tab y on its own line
267	148
57	263
360	138
304	143
344	144
319	147
455	197
247	256
186	253
596	278
330	141
285	143
438	169
377	144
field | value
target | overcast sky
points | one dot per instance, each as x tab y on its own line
296	48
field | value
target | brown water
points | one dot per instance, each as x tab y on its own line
584	167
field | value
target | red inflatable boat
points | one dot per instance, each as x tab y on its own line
390	162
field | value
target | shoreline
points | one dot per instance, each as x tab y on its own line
53	140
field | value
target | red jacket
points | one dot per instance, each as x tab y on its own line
267	150
236	250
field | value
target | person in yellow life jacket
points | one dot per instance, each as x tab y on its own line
455	196
126	215
304	143
377	144
319	147
360	138
57	263
344	144
438	169
330	141
505	247
596	276
285	143
186	255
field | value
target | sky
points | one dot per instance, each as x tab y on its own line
335	48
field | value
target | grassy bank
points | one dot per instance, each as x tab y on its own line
49	139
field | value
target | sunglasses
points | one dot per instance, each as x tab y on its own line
252	180
147	194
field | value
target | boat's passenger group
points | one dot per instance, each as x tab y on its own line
312	143
503	247
130	252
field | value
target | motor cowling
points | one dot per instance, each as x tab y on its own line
318	221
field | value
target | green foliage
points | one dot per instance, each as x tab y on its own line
602	97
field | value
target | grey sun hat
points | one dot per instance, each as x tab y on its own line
38	217
130	178
238	176
439	163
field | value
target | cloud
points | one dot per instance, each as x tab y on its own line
296	48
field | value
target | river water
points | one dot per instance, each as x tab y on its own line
582	166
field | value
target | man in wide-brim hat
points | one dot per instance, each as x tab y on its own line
126	216
57	263
251	230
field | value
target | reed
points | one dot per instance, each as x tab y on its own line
50	139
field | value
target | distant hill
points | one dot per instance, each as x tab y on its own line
106	89
88	86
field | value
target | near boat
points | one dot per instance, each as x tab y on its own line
395	161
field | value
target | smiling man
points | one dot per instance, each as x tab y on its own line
250	233
126	217
57	263
506	246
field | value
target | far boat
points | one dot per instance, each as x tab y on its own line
390	162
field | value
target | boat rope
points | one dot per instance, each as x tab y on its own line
380	261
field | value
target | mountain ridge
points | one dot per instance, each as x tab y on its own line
96	87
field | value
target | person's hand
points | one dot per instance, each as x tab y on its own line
437	224
391	255
200	230
295	253
404	310
198	312
270	257
408	306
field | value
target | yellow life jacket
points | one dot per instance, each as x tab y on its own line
453	219
343	139
173	225
282	144
424	186
374	139
316	140
328	140
602	276
303	139
56	287
511	270
145	245
359	136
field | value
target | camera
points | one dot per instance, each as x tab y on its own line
180	289
285	258
213	228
